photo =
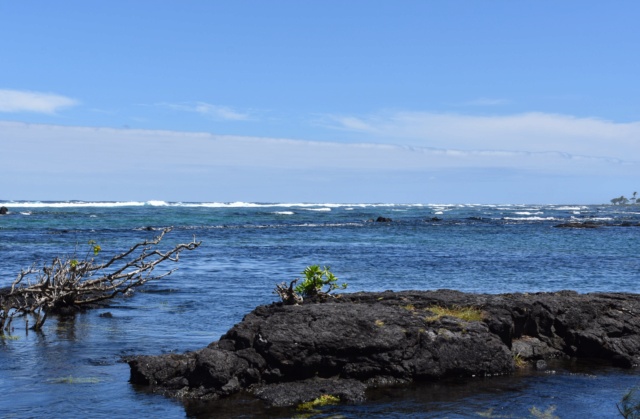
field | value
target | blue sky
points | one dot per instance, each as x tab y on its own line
320	101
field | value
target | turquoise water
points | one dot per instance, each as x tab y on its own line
74	369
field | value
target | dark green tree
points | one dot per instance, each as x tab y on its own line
621	200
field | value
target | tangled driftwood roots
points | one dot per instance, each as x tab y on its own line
69	283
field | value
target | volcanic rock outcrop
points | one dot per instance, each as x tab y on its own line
288	354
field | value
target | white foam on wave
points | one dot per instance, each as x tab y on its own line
592	219
158	203
290	205
225	205
284	212
328	225
25	213
530	218
569	208
69	204
528	213
241	204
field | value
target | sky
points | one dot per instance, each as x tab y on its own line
358	101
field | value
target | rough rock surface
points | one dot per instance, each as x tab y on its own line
286	354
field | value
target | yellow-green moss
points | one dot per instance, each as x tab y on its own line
9	337
323	400
534	412
379	323
547	414
467	314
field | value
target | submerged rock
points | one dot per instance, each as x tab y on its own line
575	224
289	354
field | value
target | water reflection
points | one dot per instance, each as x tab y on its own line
66	327
570	389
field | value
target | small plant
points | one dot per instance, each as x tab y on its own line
547	414
316	279
629	406
489	414
323	400
379	323
317	282
519	361
95	247
75	380
534	412
8	337
467	314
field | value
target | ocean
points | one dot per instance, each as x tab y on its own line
74	368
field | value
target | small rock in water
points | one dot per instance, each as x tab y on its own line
541	365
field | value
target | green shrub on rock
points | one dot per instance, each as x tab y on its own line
316	279
317	283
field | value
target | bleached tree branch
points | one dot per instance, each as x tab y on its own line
70	283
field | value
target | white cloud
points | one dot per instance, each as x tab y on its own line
221	112
530	132
213	111
203	149
25	101
108	164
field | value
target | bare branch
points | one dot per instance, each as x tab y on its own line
69	283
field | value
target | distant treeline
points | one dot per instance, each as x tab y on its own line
622	200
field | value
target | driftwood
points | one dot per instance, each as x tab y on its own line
288	293
68	283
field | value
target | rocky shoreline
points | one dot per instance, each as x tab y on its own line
285	355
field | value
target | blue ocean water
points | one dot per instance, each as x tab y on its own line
74	369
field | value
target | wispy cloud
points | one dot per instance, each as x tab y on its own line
14	101
220	150
530	132
485	101
213	111
203	166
